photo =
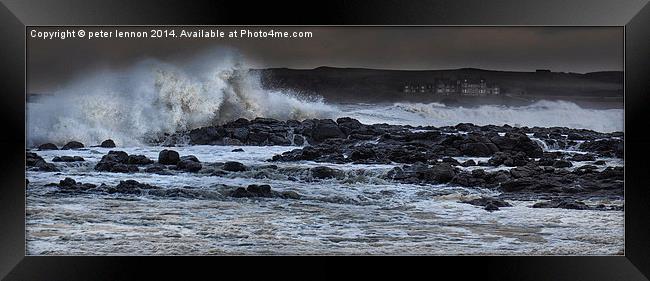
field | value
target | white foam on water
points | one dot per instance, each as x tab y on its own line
152	97
543	113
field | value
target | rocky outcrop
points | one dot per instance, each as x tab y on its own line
232	166
47	146
72	145
107	144
263	190
168	157
67	159
120	162
37	162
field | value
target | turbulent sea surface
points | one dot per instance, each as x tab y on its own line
359	213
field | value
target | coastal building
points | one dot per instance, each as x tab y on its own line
463	87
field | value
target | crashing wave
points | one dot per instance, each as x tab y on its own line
154	98
542	113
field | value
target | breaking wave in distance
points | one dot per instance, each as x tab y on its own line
153	98
542	114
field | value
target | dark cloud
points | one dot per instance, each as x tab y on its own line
569	49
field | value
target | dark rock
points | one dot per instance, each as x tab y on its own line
156	169
442	173
117	156
232	166
276	139
131	187
322	172
490	207
451	161
517	184
362	154
258	137
326	129
298	140
190	158
240	192
468	163
67	159
562	164
290	195
237	150
241	134
189	163
563	204
207	135
485	201
67	182
475	149
47	146
69	185
138	160
508	159
517	142
582	157
263	190
604	147
73	145
122	168
116	162
168	157
34	160
599	162
108	143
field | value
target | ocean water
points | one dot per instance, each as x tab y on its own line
357	214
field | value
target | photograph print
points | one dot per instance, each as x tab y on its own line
312	140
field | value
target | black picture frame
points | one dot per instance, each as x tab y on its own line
632	15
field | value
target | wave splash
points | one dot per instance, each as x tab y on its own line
543	113
152	98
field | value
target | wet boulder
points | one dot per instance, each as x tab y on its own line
562	164
36	161
47	146
73	145
604	147
348	125
508	159
562	204
131	187
582	157
189	164
326	129
207	135
168	157
237	150
486	201
517	184
116	162
67	159
109	143
517	142
441	173
138	160
323	172
233	166
157	168
476	149
70	185
468	163
241	134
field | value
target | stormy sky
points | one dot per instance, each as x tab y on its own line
51	63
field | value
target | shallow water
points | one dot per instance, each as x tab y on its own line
359	214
